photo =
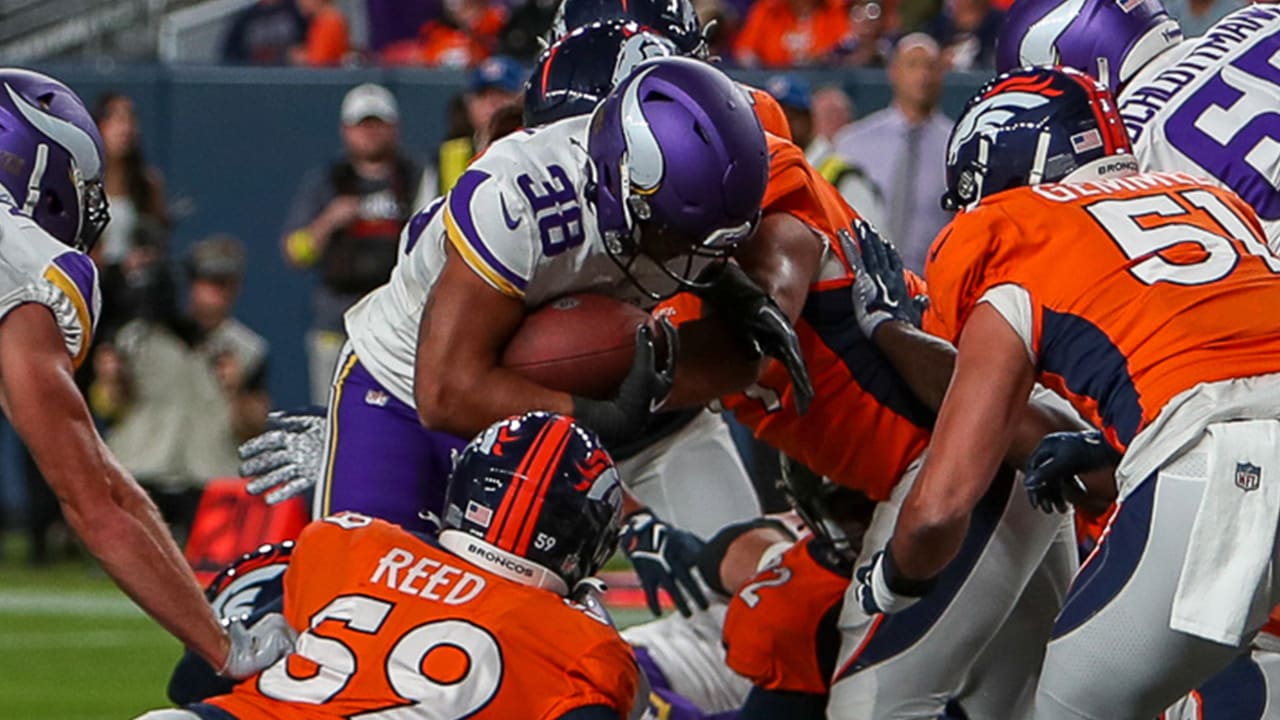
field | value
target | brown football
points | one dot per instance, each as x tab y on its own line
580	344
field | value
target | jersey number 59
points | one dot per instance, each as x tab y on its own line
469	663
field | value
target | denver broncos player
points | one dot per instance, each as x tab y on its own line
1204	105
904	668
475	623
52	209
1154	334
781	628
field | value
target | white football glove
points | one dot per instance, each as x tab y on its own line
287	456
256	648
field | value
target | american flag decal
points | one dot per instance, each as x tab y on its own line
479	514
1085	141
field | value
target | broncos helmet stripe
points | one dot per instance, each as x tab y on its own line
1031	126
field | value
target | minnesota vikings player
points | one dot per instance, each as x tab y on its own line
633	202
1205	105
52	209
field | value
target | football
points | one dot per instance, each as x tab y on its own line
581	344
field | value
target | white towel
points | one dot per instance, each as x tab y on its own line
1225	580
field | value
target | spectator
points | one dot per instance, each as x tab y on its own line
902	148
783	33
345	221
328	40
868	44
134	188
1197	16
263	33
466	34
184	390
966	30
792	93
495	83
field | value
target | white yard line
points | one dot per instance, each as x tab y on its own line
45	602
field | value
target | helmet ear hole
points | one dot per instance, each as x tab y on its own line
53	203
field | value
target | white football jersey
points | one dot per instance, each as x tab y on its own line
36	268
1211	107
519	217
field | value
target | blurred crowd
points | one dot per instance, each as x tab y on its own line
748	33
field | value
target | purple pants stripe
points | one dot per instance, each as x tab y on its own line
382	462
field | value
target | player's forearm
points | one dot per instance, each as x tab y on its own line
463	401
134	547
923	361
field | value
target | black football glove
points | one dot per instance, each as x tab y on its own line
663	557
1057	461
755	316
647	384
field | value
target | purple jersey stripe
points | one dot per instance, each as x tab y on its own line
460	212
79	268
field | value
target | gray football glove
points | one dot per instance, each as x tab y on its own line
288	456
256	648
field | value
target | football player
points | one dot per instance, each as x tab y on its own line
631	209
781	631
1153	332
52	209
1204	105
479	622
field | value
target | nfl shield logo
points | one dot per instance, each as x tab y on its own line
1248	476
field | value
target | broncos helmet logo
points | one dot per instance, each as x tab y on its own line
638	47
992	114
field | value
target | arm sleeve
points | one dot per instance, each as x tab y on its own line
35	268
488	225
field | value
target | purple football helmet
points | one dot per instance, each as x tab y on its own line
680	165
51	157
1109	39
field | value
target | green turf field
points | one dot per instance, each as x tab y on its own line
73	647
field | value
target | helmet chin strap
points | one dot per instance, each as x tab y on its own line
500	562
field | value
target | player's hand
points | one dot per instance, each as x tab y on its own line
880	289
258	647
663	557
647	384
758	318
1054	466
881	589
287	456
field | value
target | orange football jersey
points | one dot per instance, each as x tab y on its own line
860	403
780	630
390	621
772	118
1139	287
